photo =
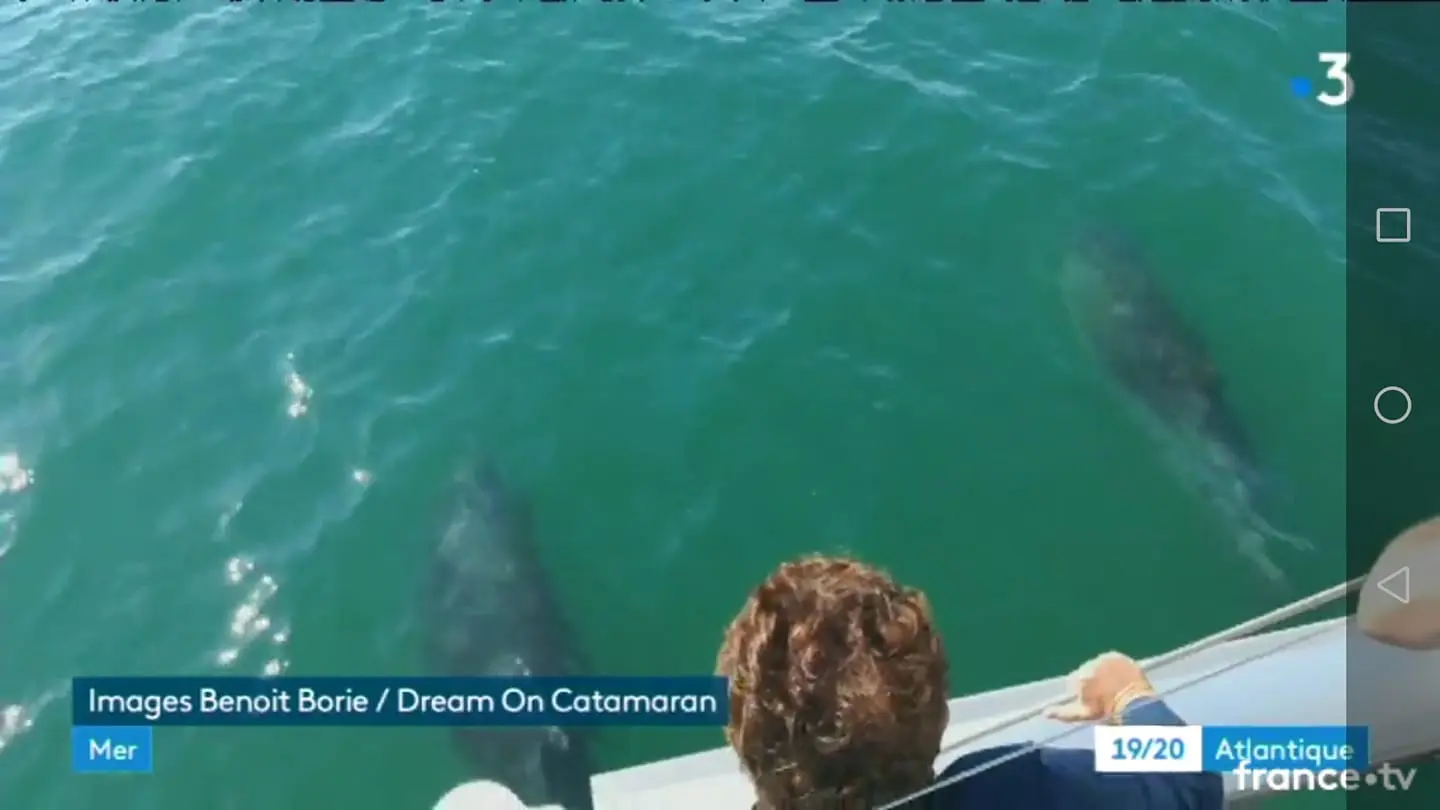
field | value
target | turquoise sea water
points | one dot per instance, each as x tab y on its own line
720	284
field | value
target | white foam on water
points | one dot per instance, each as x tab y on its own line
7	533
14	477
299	391
249	623
18	718
14	721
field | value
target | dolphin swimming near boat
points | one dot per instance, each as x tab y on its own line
1157	357
493	613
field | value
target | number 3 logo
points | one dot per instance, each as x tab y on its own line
1337	61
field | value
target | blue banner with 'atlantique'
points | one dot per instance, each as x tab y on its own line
1236	749
700	700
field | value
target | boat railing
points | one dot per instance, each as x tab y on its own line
1229	647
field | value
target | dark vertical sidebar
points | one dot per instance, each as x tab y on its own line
1393	346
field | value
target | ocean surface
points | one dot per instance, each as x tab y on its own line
718	284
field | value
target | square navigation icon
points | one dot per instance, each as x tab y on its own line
1395	222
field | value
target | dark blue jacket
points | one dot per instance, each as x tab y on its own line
1065	778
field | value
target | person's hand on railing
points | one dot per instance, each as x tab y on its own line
1103	687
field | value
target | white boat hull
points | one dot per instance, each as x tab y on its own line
1337	677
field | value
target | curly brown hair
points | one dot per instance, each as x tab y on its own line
837	686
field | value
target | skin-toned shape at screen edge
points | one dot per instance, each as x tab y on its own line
1412	624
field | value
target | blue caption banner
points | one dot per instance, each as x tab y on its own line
1228	749
594	701
114	749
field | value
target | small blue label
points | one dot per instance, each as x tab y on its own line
1242	749
112	749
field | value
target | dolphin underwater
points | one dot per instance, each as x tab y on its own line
492	613
1157	358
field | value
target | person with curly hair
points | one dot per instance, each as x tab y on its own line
838	681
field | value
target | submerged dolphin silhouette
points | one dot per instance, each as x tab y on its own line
492	613
1158	358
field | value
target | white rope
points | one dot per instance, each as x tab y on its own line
1241	630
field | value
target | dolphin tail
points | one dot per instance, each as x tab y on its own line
480	469
481	475
1253	545
1256	537
1294	541
566	765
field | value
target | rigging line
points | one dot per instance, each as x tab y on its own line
1250	627
1246	628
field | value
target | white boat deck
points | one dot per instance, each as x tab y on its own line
1338	677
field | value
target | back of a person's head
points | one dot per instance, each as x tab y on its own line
837	687
489	795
